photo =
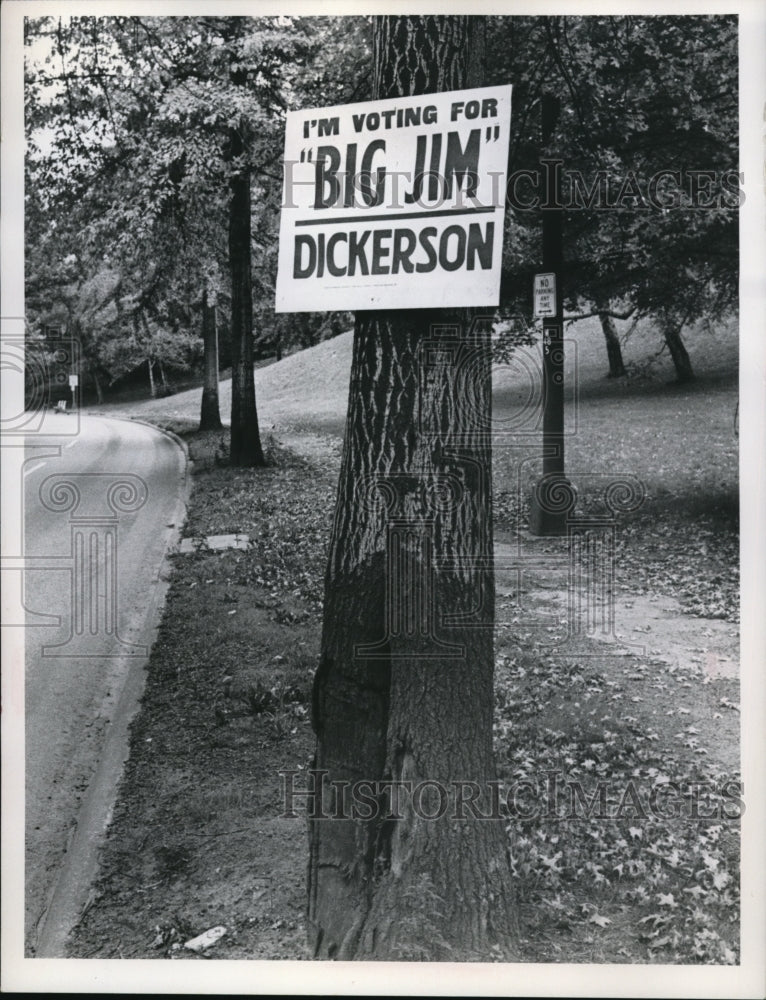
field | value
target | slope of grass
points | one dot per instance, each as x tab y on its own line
310	389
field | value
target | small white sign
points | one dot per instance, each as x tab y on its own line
545	295
395	204
74	381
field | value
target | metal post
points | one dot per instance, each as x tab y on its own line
548	513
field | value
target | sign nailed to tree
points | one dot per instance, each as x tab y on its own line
395	204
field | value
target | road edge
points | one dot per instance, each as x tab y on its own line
73	890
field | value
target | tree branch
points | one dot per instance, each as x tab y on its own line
600	312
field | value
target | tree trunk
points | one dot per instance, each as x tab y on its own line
613	349
245	447
671	330
210	417
404	689
98	388
139	319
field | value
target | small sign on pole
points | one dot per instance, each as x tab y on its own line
395	204
74	381
545	295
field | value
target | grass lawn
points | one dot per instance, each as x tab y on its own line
623	756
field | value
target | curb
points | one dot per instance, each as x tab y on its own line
73	891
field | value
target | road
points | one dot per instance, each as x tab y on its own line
97	521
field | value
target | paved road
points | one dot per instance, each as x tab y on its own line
98	518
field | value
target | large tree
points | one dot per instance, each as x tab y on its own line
404	689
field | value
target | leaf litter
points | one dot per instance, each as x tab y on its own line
196	841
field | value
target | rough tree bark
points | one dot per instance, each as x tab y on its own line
671	331
210	417
404	689
613	349
245	448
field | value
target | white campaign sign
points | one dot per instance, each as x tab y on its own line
395	204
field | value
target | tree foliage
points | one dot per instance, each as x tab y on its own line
130	120
136	128
647	141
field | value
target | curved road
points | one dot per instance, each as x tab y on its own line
98	518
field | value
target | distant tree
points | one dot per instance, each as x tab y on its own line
607	313
613	348
210	417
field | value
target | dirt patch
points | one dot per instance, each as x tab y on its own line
653	626
668	635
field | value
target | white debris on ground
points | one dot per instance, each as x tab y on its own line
206	939
187	545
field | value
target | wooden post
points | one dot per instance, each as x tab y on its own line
553	497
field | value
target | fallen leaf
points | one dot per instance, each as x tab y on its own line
721	880
667	899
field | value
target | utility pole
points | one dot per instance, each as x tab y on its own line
553	496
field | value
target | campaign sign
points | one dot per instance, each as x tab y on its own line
395	204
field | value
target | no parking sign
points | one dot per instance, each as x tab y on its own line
545	295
